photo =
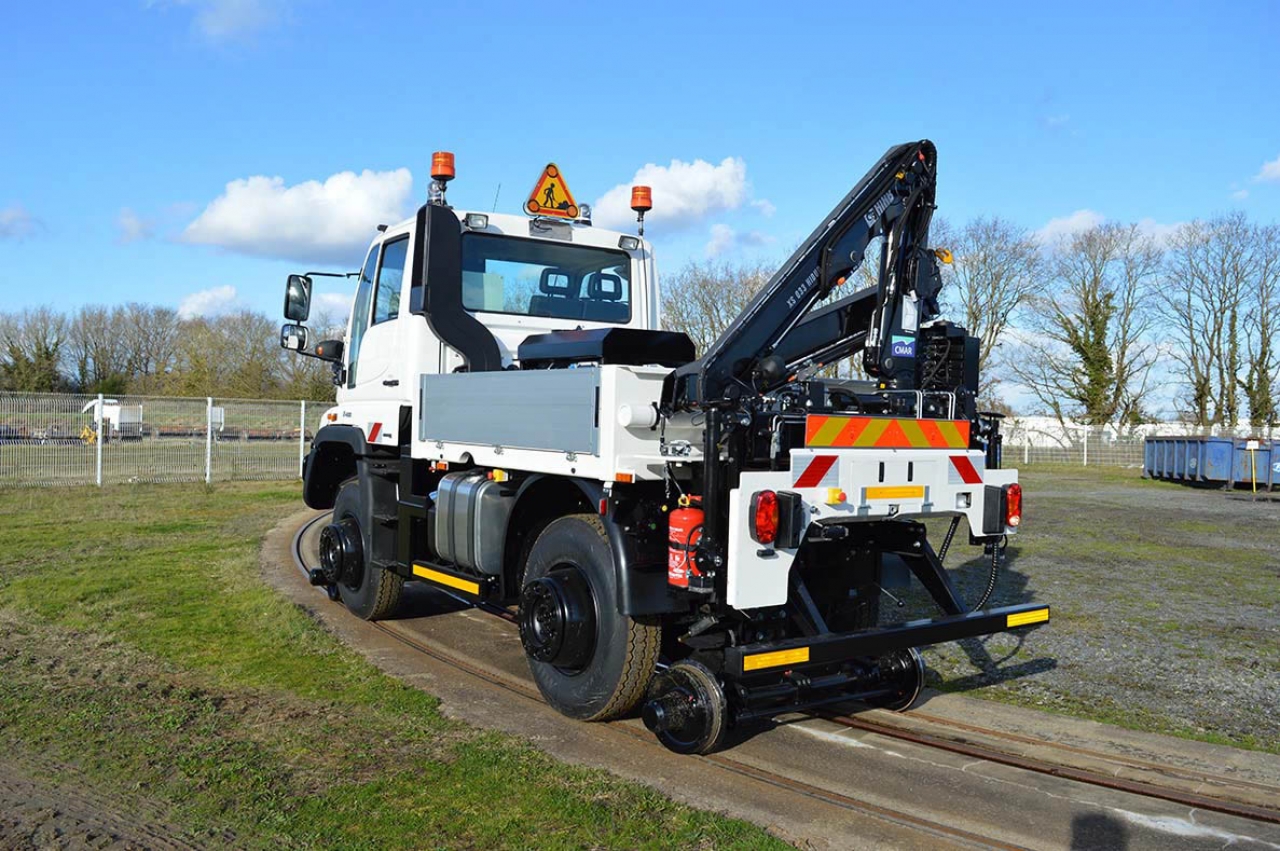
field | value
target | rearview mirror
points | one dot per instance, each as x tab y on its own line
297	298
293	338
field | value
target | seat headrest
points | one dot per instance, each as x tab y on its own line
597	289
554	282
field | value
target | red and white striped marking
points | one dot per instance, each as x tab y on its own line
374	431
821	471
962	470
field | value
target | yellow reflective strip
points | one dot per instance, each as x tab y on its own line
445	579
774	659
914	433
827	432
871	433
903	492
951	434
1024	618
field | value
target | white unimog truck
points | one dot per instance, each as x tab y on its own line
704	536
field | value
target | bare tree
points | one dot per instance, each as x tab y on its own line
998	269
153	333
1262	327
31	351
1212	272
1087	353
703	298
97	345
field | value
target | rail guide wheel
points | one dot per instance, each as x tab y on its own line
903	672
687	709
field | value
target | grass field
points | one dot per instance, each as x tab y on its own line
144	659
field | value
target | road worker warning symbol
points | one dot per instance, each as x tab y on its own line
551	196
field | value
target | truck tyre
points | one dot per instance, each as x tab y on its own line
376	593
598	662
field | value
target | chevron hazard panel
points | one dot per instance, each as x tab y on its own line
885	433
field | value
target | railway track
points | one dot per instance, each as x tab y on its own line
1234	796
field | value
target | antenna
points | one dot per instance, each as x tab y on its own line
496	193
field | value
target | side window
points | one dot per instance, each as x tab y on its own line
386	304
360	314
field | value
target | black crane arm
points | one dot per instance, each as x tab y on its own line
894	200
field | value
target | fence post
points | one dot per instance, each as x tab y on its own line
208	440
1026	449
302	440
98	443
1086	446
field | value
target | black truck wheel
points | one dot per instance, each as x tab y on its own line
367	590
590	662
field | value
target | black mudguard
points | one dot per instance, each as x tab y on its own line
335	452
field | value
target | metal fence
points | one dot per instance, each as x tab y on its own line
68	439
1080	445
1044	440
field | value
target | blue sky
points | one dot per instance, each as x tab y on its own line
166	151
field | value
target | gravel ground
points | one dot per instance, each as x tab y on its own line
1166	608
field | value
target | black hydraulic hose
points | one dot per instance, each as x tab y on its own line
992	576
946	542
996	549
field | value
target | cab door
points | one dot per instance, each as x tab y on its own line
374	389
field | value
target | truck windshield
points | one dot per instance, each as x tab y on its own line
502	274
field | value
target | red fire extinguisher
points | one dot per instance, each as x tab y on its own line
682	543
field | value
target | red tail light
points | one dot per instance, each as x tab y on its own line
1013	505
764	517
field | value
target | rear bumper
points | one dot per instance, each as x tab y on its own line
801	654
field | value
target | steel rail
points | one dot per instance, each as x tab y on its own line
1080	775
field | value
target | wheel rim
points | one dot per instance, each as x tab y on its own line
686	709
342	553
558	619
904	674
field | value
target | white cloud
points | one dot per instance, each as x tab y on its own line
18	224
721	238
683	193
725	238
1064	226
1270	171
133	227
1157	231
229	20
211	302
1240	194
765	207
311	222
1082	220
331	306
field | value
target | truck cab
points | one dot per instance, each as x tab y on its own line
519	277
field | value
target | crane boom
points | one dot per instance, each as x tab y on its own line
776	331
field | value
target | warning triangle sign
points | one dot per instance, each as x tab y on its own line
551	196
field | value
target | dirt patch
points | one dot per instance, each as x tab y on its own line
37	813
